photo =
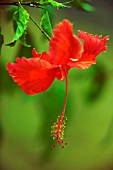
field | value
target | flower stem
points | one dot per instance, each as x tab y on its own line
43	32
60	121
59	125
66	96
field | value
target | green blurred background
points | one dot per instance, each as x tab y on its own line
25	121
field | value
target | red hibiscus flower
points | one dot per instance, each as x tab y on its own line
35	75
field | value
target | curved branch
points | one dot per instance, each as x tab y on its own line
17	3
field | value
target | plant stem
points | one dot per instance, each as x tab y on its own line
43	32
30	4
59	125
17	3
60	121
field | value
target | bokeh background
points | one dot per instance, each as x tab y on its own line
25	121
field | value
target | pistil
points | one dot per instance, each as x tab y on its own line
58	127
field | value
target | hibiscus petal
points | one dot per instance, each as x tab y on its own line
43	56
93	46
64	45
35	54
33	75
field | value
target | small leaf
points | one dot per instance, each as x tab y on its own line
46	24
21	17
1	40
83	5
23	40
87	7
57	5
23	37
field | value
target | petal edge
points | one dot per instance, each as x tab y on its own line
32	75
93	46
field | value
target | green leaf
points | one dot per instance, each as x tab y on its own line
21	17
23	40
23	37
46	24
53	3
87	7
57	5
84	6
1	40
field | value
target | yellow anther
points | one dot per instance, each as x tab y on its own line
58	129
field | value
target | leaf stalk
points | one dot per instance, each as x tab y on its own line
43	32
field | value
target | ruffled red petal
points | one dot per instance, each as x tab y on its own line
33	75
43	56
93	46
64	45
35	54
60	74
